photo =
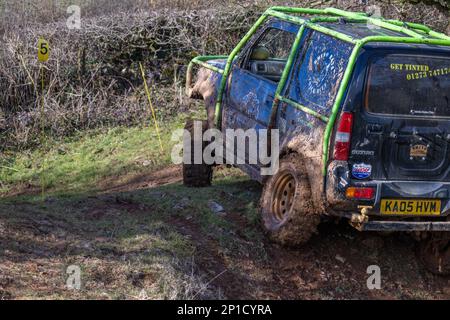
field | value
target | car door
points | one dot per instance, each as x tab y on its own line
253	82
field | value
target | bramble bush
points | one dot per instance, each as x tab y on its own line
93	79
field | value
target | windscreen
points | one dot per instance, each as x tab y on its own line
409	85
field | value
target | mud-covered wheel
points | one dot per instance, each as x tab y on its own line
196	175
434	253
288	214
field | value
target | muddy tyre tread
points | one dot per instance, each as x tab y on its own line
196	175
303	219
427	253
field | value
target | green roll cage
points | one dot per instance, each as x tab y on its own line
414	33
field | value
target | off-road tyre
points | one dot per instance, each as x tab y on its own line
196	175
289	191
434	253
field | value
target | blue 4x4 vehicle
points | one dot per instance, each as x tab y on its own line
362	108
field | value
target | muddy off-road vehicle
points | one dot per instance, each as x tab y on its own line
362	106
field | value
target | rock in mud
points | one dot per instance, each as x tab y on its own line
50	200
340	258
146	163
183	203
216	208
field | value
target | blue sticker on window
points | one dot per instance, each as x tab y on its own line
361	170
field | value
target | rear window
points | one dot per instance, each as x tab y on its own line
409	85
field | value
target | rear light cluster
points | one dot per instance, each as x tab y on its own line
341	152
343	137
360	193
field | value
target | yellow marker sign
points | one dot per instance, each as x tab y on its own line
43	55
43	50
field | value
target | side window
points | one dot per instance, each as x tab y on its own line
269	54
319	72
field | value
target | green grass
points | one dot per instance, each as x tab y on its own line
79	163
123	247
128	243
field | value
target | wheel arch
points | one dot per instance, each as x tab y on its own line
308	146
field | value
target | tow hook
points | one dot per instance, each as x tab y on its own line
365	210
357	220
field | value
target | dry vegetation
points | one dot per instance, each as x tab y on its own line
93	77
93	80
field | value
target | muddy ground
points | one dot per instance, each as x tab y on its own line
148	237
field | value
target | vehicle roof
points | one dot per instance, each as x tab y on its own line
360	28
425	48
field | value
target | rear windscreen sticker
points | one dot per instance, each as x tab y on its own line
419	71
409	85
428	73
409	67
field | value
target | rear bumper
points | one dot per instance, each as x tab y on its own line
339	179
408	190
401	226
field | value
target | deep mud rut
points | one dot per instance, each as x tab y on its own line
332	265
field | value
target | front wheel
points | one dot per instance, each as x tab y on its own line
434	253
196	175
288	214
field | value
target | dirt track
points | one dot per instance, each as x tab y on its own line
332	265
36	244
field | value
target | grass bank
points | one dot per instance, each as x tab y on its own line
80	163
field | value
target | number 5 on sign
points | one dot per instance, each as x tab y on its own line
43	50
